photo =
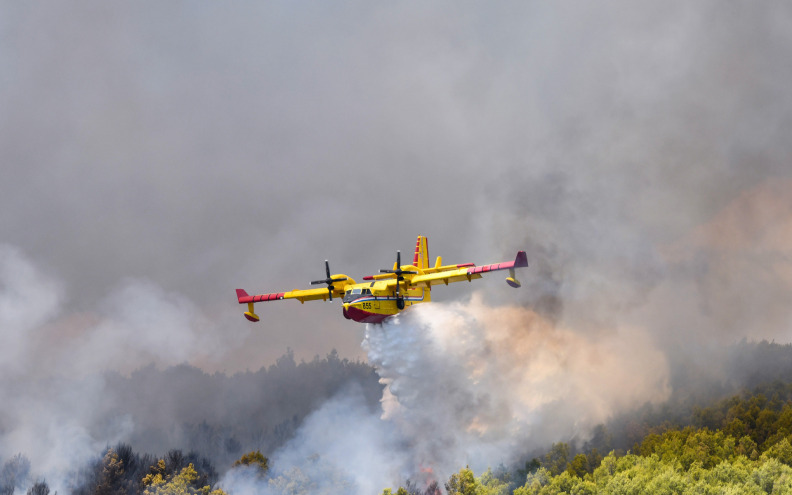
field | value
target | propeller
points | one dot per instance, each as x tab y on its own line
329	280
399	278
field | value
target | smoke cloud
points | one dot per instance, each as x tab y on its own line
204	149
471	384
156	156
56	398
466	384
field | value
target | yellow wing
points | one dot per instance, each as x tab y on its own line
444	277
301	295
469	272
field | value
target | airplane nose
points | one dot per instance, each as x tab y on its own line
346	305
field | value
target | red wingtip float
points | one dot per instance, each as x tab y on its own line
392	290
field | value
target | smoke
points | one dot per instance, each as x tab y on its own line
56	402
471	384
735	270
640	154
606	325
465	384
27	299
204	148
343	447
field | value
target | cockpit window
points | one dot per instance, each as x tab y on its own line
353	294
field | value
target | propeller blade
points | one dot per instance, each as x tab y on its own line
329	280
397	270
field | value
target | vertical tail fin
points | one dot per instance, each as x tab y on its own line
421	258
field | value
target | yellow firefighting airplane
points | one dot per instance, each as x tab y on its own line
390	292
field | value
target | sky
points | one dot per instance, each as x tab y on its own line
156	156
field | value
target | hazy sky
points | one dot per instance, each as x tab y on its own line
155	156
165	153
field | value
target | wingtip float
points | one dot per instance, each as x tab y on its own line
392	290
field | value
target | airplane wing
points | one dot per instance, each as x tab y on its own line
301	295
459	273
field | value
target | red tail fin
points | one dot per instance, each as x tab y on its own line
421	258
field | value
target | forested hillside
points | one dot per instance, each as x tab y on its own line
741	444
219	416
184	416
723	435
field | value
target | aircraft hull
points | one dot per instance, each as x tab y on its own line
362	316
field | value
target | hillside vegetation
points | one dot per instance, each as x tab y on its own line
733	435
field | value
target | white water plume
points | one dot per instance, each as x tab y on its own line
477	385
466	384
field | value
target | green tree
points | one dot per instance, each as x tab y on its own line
578	466
400	491
557	458
462	483
782	451
183	483
112	475
256	460
535	482
492	484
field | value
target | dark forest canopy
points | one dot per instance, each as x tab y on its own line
206	422
188	416
220	416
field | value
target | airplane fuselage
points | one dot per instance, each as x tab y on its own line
368	303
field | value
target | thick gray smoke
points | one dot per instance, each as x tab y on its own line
470	384
466	384
206	148
341	448
155	156
55	396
